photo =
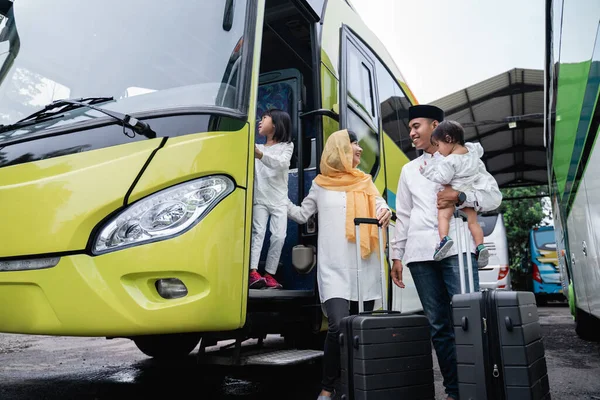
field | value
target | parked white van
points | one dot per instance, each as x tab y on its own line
496	275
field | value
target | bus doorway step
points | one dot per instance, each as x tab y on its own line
270	353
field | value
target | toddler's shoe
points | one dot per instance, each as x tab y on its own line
443	248
482	254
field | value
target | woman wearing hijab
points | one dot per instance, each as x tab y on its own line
340	193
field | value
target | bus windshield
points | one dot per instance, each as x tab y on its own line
487	223
149	55
545	240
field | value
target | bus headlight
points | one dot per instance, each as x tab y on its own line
162	215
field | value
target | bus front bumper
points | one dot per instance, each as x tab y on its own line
547	288
115	294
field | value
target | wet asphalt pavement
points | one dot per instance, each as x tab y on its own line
43	367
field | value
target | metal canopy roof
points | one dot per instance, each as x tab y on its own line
514	155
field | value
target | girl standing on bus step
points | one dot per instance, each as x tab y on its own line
460	167
271	168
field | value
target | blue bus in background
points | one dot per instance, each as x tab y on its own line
543	259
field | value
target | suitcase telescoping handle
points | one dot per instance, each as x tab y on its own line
463	248
371	221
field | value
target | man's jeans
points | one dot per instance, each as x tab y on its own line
436	283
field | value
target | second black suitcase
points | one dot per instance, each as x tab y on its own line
499	347
384	354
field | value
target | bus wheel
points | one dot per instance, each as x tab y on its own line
587	326
167	347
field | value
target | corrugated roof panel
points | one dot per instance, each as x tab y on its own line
497	141
488	86
517	101
489	110
539	176
516	75
503	179
533	137
500	162
461	116
491	104
535	158
484	129
533	76
534	103
470	134
451	100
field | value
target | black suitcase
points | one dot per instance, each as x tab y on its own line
499	347
384	354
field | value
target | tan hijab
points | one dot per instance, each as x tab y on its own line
338	174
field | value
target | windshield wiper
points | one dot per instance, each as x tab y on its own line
47	111
64	105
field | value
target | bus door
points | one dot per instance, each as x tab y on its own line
359	104
282	89
289	81
369	94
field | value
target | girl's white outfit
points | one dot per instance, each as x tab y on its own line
464	172
270	199
336	263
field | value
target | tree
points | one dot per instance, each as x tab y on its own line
523	208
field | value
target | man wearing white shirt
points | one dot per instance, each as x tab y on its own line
416	237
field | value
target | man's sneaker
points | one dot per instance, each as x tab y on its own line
443	248
483	256
271	282
256	281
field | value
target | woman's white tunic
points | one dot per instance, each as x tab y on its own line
336	256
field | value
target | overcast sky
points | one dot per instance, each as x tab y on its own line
442	46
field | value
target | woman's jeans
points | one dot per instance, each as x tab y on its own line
436	283
336	309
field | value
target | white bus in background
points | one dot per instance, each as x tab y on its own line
496	275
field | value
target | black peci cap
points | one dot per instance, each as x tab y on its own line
425	111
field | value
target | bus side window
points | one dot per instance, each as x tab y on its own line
394	111
359	101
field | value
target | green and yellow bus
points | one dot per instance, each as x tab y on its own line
126	161
572	126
